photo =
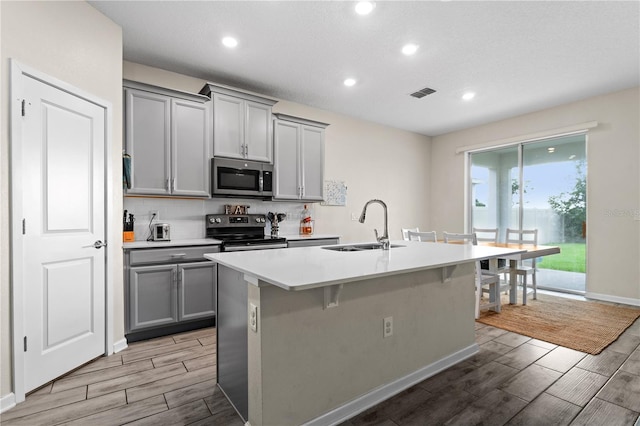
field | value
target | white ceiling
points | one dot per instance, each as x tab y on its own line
517	56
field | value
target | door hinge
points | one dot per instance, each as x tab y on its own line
23	107
25	343
24	226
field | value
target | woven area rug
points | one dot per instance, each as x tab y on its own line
584	326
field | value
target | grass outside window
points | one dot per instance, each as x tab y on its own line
572	258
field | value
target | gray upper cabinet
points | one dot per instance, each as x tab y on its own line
298	158
242	124
168	135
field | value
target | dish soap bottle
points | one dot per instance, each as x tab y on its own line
306	224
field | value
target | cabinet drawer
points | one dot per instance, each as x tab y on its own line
170	255
311	243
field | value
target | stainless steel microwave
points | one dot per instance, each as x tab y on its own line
242	179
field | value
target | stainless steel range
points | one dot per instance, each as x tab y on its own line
242	232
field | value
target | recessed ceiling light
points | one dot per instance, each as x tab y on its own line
551	150
468	96
409	49
349	82
572	156
364	7
230	42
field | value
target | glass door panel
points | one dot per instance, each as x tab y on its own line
554	202
494	189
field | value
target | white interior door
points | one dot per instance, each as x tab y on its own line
63	274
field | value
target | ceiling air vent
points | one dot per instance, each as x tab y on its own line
423	92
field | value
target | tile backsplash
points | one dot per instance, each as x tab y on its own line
186	216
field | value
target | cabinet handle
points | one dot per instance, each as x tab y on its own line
173	184
302	191
166	184
178	254
246	150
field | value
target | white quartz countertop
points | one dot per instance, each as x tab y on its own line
297	237
310	267
172	243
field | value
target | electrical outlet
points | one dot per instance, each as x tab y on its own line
354	216
253	317
157	214
387	325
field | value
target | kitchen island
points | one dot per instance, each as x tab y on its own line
315	336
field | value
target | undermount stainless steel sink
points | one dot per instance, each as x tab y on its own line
360	247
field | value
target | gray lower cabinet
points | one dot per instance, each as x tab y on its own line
196	294
169	290
152	296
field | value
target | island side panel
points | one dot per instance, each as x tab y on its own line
232	324
305	360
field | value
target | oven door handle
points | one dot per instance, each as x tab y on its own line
255	247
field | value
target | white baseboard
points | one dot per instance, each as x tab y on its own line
7	402
119	345
614	299
376	396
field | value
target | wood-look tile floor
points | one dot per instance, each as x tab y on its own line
513	380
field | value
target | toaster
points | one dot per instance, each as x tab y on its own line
161	232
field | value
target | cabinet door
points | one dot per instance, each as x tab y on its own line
196	290
228	126
312	162
258	132
286	175
152	296
147	136
190	141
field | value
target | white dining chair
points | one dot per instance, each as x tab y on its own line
491	235
525	237
425	237
405	232
486	282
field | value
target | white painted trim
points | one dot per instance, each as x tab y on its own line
120	345
110	223
546	134
17	248
18	71
7	402
615	299
384	392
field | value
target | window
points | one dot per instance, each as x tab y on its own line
539	185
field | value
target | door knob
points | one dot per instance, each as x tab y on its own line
98	244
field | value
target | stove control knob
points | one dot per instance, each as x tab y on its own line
211	220
257	219
262	219
218	220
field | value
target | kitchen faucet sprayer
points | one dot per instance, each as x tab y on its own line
384	240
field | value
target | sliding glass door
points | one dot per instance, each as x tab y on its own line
537	185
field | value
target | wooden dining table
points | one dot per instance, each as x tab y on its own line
531	252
